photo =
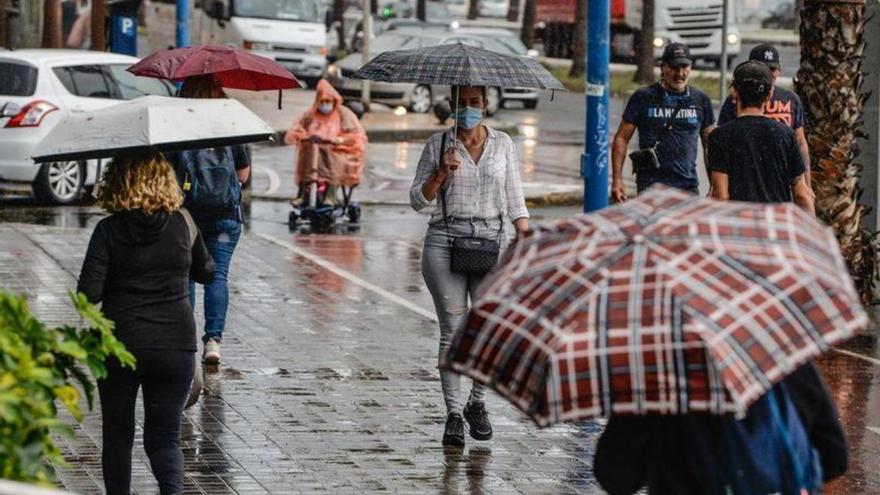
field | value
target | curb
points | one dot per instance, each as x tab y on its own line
396	135
542	200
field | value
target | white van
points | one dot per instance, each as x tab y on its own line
291	32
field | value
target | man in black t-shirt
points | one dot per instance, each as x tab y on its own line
671	103
783	106
755	158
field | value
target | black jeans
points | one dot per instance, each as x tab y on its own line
166	376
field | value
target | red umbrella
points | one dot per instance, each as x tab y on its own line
234	68
665	304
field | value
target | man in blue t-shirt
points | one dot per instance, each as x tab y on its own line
669	111
784	106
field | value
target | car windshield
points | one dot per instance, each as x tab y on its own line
17	79
283	10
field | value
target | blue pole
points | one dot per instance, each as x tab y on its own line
595	160
182	32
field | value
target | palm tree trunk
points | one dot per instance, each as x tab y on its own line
4	26
645	72
579	40
473	9
527	34
99	26
420	10
829	82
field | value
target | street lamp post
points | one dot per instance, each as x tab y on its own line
722	64
365	54
181	34
594	161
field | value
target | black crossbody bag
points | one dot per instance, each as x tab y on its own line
469	255
645	160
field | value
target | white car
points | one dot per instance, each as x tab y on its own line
493	8
37	89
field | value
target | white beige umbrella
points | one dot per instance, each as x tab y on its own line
152	122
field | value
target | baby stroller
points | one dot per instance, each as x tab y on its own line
319	204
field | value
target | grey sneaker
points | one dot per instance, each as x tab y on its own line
478	421
454	434
212	352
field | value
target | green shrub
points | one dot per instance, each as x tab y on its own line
39	365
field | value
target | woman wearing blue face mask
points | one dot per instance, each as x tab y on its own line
478	176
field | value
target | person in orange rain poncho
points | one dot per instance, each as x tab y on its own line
330	144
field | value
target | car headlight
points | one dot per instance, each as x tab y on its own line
318	50
256	45
659	42
333	71
732	38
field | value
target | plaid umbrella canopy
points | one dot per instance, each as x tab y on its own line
456	64
666	304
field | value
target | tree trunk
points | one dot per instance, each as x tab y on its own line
339	16
645	72
99	26
374	7
829	82
527	34
473	9
52	24
579	40
513	11
4	26
420	10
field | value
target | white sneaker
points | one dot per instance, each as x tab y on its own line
212	352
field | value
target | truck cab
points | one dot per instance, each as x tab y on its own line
697	24
291	32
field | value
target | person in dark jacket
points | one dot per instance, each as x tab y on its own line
663	453
138	265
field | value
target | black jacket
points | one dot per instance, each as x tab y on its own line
654	451
139	267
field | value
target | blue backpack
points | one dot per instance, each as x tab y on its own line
767	452
209	181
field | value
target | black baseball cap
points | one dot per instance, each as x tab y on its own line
766	53
752	74
676	54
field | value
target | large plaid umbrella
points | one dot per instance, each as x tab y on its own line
457	64
665	304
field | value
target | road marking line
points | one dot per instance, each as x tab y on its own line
274	180
875	362
327	265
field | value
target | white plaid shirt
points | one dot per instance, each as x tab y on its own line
486	191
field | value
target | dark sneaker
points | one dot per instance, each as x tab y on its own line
478	421
454	434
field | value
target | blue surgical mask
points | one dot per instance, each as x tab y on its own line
470	117
325	108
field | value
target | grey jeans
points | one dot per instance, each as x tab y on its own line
451	292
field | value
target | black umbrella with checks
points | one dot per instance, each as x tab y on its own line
457	64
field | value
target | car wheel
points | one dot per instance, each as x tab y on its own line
493	100
531	104
421	99
60	182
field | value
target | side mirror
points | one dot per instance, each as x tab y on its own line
9	110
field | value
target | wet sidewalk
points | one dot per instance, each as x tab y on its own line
329	381
327	385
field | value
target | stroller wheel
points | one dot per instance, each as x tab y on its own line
354	213
292	219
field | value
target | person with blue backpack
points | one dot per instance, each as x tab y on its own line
790	443
211	180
